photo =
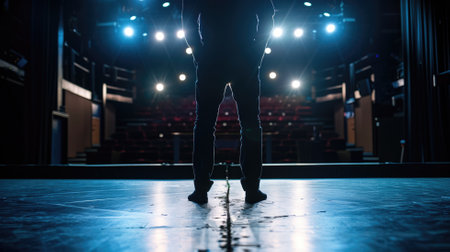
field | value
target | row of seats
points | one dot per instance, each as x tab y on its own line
162	132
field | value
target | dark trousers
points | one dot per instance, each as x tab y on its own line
214	70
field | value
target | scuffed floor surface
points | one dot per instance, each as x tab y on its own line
299	215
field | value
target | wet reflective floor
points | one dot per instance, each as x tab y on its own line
376	214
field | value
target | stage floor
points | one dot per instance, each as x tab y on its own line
375	214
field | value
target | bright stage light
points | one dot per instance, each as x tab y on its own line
277	32
307	4
180	34
330	28
159	87
326	14
272	75
159	36
268	50
189	50
166	4
128	31
144	34
298	32
133	18
295	84
182	77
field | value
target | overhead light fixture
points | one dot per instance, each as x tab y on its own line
166	4
326	14
295	84
277	32
133	18
128	31
298	32
180	34
330	28
182	77
159	87
189	50
272	75
159	36
307	4
268	50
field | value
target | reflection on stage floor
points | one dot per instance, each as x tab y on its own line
375	214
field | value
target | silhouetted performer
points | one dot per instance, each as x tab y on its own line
228	38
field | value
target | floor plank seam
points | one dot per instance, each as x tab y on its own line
227	200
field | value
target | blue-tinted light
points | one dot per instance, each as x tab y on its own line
128	31
144	34
295	84
133	18
307	4
330	28
166	4
277	32
298	32
326	14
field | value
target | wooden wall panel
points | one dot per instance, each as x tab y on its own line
363	124
79	110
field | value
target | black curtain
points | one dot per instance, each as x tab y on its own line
41	83
426	100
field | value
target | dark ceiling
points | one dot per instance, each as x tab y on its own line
96	29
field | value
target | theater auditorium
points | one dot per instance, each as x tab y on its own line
206	125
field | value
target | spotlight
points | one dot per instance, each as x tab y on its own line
128	31
326	14
159	36
180	34
268	50
144	34
133	18
182	77
277	32
295	84
189	50
166	4
330	28
159	87
307	4
298	32
272	75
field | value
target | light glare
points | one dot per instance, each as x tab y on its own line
295	84
180	34
189	50
159	87
268	50
277	32
166	4
298	32
159	36
272	75
326	14
128	31
331	28
182	77
133	18
308	4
